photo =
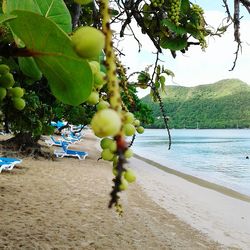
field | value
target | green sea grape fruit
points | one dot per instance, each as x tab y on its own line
105	142
136	123
3	93
106	122
7	80
99	78
93	98
129	175
88	42
113	146
95	67
83	2
114	171
17	92
102	105
140	130
128	153
18	103
128	117
129	129
124	184
107	155
4	69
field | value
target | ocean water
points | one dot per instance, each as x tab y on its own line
215	155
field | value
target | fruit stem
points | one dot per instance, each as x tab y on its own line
112	81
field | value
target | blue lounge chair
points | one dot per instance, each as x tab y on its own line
75	136
53	142
70	139
70	152
8	163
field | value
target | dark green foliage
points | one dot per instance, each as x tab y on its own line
224	104
73	114
34	118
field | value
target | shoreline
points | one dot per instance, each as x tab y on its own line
196	180
222	216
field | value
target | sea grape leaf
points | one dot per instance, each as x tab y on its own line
177	43
185	6
29	67
57	11
54	10
6	17
30	5
69	76
3	10
173	27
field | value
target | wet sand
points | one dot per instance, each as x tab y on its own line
62	204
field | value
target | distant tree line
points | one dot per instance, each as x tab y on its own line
209	106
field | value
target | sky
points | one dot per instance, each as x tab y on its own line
196	67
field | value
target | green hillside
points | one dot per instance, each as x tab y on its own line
224	104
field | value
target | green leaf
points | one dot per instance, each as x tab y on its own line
57	11
177	43
6	17
54	10
177	29
29	67
191	29
69	76
22	5
185	6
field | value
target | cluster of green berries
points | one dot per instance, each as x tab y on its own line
157	3
109	148
198	12
98	82
6	88
195	8
173	10
107	122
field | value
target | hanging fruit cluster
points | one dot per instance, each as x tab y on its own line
6	88
157	3
173	10
112	122
171	24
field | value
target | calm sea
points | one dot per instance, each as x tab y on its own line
219	156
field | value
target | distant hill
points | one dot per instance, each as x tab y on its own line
224	104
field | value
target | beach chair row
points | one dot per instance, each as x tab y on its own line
65	141
65	138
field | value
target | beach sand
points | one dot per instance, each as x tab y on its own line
63	204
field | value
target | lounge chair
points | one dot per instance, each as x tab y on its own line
53	142
75	136
65	151
8	163
70	139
